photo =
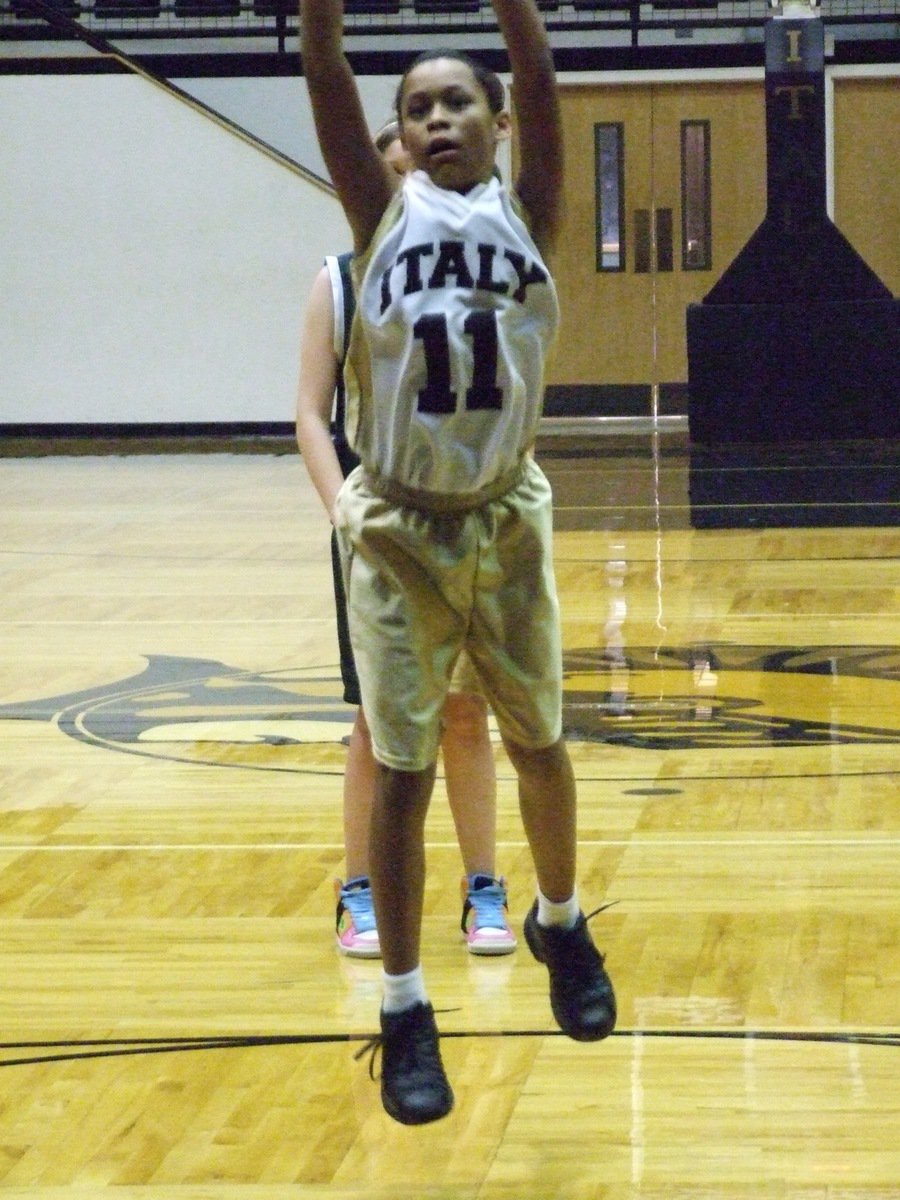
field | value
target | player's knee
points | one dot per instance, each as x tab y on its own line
541	760
465	715
361	727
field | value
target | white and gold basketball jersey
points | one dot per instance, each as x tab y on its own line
456	314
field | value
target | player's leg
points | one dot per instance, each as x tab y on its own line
471	781
397	862
581	992
414	1086
356	927
520	664
403	640
356	931
547	802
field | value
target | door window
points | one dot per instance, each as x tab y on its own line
609	177
696	197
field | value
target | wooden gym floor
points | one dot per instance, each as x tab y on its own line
176	1022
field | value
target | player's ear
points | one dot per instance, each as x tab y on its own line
502	126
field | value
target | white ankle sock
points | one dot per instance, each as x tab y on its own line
403	991
564	913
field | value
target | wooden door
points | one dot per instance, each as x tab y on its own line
866	193
664	184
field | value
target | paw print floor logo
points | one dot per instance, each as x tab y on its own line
638	712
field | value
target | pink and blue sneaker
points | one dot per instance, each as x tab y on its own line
356	931
485	920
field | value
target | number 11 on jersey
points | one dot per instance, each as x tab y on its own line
436	396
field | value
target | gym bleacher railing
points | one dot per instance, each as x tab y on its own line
172	21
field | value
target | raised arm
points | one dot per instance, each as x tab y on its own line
364	184
536	100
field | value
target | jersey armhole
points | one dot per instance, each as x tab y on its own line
333	266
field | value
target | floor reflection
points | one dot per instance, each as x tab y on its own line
661	481
729	697
823	484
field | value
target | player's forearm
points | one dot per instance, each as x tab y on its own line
536	98
526	42
321	42
320	457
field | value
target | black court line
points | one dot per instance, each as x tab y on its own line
65	1051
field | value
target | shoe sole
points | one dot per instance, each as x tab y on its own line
354	952
416	1118
490	950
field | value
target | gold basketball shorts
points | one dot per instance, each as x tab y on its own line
423	586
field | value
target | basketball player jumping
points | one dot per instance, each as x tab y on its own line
446	526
